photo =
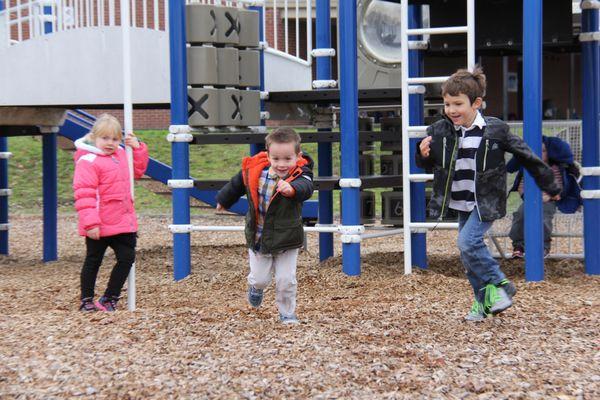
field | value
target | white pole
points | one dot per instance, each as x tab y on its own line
128	119
470	34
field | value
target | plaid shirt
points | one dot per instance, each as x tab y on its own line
266	189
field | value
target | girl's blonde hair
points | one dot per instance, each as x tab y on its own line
105	123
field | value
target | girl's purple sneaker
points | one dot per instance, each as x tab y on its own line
107	303
87	305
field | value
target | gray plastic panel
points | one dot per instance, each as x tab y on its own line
228	66
203	104
201	23
249	68
391	164
229	107
249	28
227	25
250	106
392	208
202	65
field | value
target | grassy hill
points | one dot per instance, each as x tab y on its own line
206	162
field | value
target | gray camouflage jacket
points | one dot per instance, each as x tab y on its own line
490	176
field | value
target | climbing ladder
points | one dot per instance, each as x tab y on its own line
414	86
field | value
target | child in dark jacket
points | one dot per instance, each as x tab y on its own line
466	152
276	182
558	155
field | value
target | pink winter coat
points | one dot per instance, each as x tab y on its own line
102	189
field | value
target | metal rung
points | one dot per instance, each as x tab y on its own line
420	177
5	192
590	194
348	230
420	226
590	5
590	171
5	155
589	37
437	31
428	79
4	227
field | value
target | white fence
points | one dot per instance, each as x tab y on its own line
568	228
25	19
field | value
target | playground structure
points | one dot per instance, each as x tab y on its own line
351	229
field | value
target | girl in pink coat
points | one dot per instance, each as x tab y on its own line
105	206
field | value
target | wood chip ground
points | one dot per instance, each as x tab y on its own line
382	335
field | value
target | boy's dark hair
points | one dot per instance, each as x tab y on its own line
283	135
463	81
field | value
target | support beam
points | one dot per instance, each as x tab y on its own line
323	33
258	147
4	199
416	116
50	183
532	133
179	150
349	141
590	82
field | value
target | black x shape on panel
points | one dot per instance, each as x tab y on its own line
197	106
233	24
214	17
237	102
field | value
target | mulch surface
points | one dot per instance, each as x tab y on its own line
380	335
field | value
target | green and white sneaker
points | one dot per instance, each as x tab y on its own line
477	313
496	299
508	287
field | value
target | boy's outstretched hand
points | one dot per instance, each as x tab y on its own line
285	188
424	146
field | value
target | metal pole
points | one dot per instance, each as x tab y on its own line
590	61
349	130
3	199
128	120
406	154
532	133
50	192
50	182
257	147
3	180
324	149
179	150
416	117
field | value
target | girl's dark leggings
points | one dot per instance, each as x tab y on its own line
124	248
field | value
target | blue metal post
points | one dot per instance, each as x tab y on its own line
256	147
180	150
3	199
417	190
50	183
349	130
532	133
590	61
48	24
325	161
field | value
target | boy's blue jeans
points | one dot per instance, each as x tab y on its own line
481	268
